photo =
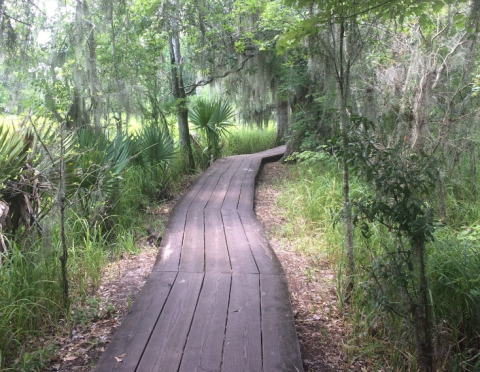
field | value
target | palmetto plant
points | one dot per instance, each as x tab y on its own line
12	157
212	118
95	166
156	149
19	182
156	146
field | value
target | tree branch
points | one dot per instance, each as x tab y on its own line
204	82
15	19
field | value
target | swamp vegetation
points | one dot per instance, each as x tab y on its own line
108	107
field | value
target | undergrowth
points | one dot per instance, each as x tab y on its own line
311	198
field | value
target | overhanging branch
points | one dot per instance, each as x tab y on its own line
204	82
15	19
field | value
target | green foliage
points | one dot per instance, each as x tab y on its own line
155	146
330	11
97	163
12	155
157	150
310	197
212	119
454	274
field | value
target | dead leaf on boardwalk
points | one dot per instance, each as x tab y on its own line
70	357
120	357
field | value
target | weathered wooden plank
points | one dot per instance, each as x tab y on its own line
236	164
168	257
272	154
265	258
241	257
187	199
247	195
133	334
243	345
204	348
219	167
253	169
205	193
218	195
193	250
233	194
244	167
216	252
165	347
281	351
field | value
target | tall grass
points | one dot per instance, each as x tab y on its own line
311	197
246	140
30	296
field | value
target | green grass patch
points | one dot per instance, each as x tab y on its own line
311	200
246	140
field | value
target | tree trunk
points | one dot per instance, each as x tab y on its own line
343	86
62	204
94	81
347	213
421	314
180	97
442	209
421	108
77	114
118	84
473	168
282	120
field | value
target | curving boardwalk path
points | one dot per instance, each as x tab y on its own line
217	298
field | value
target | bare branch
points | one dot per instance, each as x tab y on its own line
444	64
204	82
15	19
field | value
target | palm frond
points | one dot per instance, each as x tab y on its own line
213	119
12	155
157	146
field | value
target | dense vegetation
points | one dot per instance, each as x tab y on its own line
109	105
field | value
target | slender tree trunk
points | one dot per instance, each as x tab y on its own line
442	209
473	168
116	73
421	107
77	114
282	119
400	129
94	81
343	86
62	201
180	97
421	314
347	213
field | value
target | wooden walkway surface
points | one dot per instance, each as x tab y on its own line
217	298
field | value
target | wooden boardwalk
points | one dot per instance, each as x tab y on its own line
217	298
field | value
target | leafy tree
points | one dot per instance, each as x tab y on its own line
402	181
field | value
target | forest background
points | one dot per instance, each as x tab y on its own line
108	106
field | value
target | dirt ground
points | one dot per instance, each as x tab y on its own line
321	329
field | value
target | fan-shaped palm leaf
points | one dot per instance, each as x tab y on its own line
12	155
157	146
212	118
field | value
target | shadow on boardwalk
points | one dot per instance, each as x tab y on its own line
217	298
